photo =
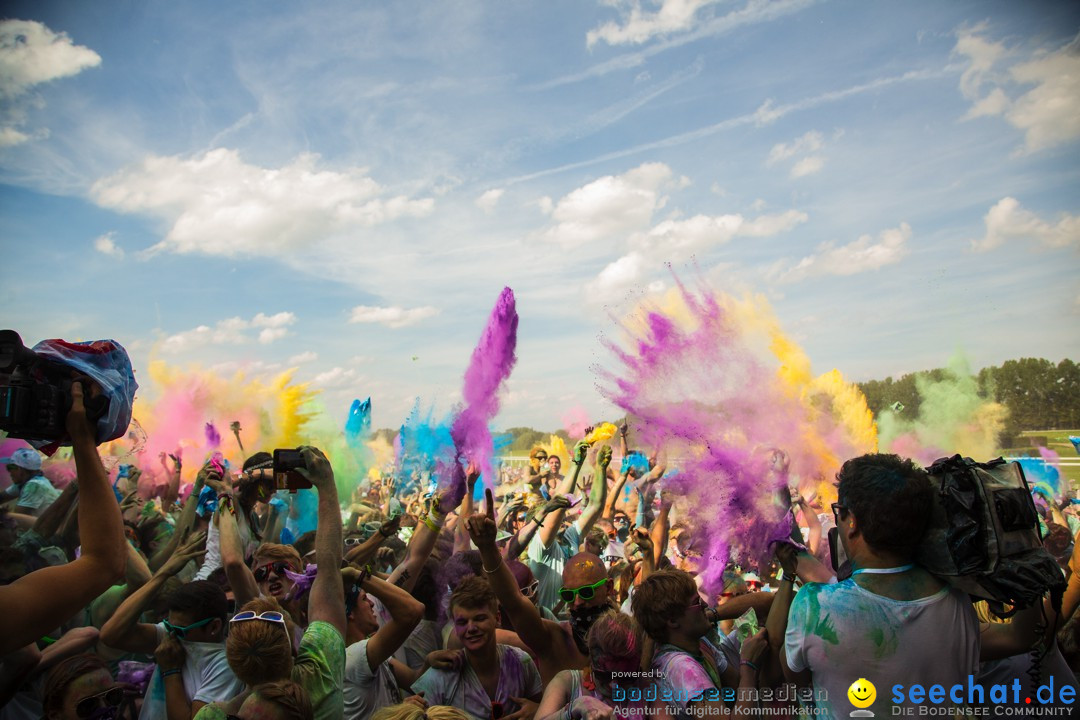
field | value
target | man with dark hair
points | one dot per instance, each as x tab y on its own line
189	646
493	680
890	622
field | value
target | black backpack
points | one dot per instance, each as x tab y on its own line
984	536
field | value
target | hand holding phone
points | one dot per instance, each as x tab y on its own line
286	461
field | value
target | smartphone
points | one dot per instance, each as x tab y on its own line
285	476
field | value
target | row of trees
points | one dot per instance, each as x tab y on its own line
1038	394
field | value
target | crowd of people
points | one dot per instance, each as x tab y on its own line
556	593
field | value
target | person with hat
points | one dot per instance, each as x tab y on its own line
33	490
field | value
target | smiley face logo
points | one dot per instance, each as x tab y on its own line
862	693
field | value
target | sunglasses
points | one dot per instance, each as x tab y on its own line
838	510
278	567
530	589
349	542
179	632
587	592
269	616
88	706
497	710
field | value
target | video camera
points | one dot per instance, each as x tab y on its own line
35	387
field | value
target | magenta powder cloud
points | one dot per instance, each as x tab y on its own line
490	366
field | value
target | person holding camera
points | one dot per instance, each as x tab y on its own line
37	603
32	491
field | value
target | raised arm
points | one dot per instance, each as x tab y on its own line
183	524
525	616
48	523
241	579
327	590
406	612
123	630
598	495
427	530
38	602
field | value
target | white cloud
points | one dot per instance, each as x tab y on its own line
807	166
9	137
231	331
860	256
392	317
32	54
676	240
336	377
304	357
618	278
808	143
1048	113
489	200
611	206
106	246
219	205
639	26
1007	219
805	146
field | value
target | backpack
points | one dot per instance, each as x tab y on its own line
984	537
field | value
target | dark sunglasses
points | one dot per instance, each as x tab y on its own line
587	592
838	510
278	567
497	710
90	705
179	632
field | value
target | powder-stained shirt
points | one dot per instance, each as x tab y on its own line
842	632
683	677
367	688
547	563
37	494
518	677
206	674
319	668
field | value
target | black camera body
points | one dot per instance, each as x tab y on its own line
286	462
35	393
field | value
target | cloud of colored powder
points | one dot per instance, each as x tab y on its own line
715	383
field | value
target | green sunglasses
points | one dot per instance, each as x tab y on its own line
179	632
587	592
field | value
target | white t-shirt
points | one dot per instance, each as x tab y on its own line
547	563
842	632
367	689
518	677
206	673
212	559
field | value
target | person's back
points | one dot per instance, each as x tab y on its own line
916	631
890	623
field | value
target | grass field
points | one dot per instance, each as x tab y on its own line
1058	441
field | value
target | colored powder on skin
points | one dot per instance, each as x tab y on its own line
716	384
490	366
213	439
953	418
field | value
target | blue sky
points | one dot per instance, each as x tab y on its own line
339	187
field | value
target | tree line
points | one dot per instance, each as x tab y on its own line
1039	394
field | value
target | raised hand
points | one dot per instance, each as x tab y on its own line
192	548
603	458
559	502
581	450
481	526
316	467
169	654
